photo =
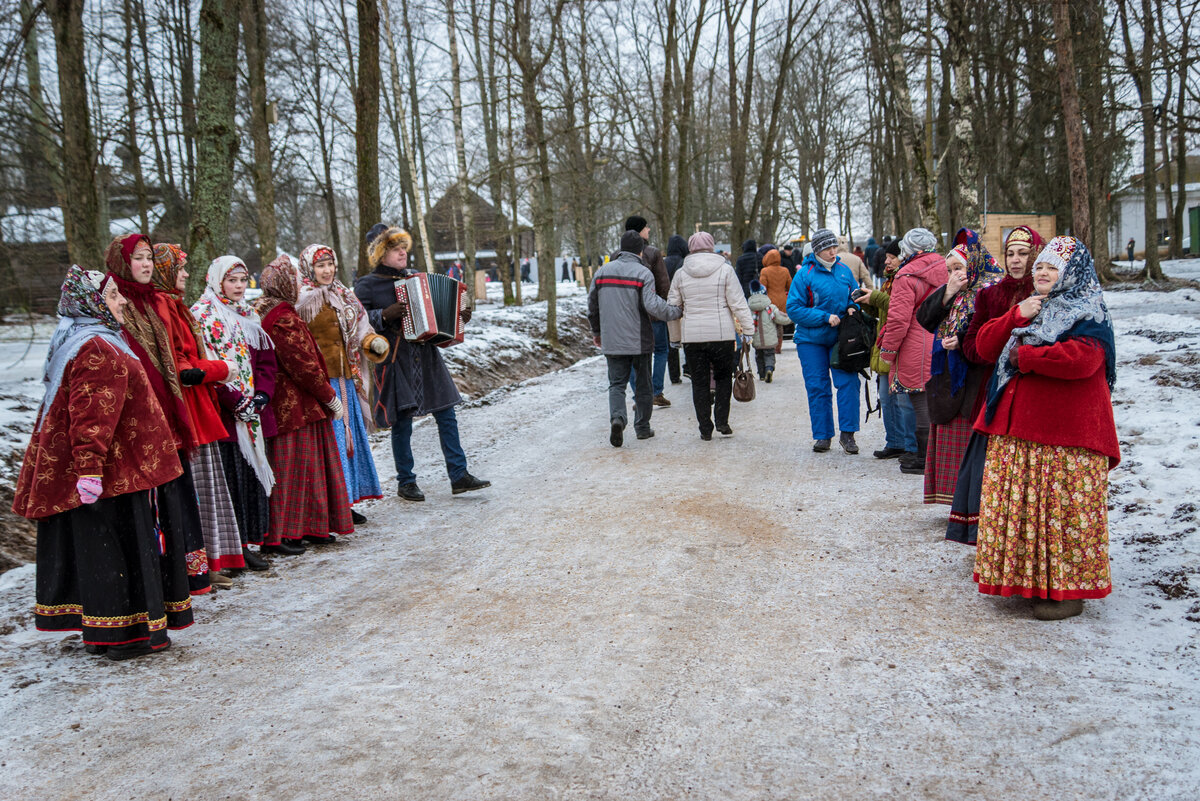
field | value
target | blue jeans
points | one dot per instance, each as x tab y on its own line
447	423
899	418
814	364
658	373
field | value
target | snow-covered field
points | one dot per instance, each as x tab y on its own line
734	619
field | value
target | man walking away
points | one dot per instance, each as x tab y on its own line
621	303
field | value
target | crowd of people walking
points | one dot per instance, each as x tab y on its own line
994	380
176	447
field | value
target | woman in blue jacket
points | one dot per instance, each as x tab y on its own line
817	301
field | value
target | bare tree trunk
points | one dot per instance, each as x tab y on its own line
1073	123
366	119
81	207
254	25
489	100
1142	72
460	151
966	183
216	135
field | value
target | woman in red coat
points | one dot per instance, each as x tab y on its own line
130	260
310	499
100	446
1043	518
199	374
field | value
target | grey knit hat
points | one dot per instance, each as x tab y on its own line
918	240
823	239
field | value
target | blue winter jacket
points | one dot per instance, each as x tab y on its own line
816	293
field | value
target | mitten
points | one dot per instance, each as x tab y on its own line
260	400
89	488
191	376
379	346
245	410
393	312
336	407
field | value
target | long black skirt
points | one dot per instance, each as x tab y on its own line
178	508
250	503
102	570
964	509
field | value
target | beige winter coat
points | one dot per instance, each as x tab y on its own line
708	290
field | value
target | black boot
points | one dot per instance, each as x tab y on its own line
468	483
357	518
253	560
286	548
914	464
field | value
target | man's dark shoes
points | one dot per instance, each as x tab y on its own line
888	453
912	464
647	434
286	548
770	374
820	446
846	440
357	518
706	435
726	430
617	435
661	400
254	561
410	492
468	483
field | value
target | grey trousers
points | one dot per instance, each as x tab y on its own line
643	394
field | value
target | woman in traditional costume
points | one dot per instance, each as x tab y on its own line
1043	518
1020	249
954	382
199	375
310	500
233	332
130	260
100	446
339	325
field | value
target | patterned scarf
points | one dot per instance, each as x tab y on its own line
982	271
352	317
82	316
230	330
280	283
142	322
167	261
1074	309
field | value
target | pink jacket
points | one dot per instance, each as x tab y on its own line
904	343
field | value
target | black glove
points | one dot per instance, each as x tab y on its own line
261	399
191	376
245	410
393	312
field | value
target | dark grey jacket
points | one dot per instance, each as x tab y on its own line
620	304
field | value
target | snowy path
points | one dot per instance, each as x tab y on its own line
733	619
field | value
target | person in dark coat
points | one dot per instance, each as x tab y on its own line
677	251
414	381
789	258
748	265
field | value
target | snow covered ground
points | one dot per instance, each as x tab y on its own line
734	619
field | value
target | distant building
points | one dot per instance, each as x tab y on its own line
447	230
1128	218
996	226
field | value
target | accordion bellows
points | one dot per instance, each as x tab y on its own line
434	305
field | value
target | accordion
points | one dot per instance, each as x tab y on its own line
434	304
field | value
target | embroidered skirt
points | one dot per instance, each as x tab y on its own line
354	451
310	496
217	518
176	506
943	457
250	505
1043	522
102	570
964	511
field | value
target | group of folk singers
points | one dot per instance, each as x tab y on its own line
172	439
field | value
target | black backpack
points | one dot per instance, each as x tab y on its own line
856	338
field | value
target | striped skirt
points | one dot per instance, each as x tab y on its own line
217	518
1043	522
358	465
309	499
943	457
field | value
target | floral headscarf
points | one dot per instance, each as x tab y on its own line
230	330
1074	309
982	271
83	315
280	283
167	261
352	317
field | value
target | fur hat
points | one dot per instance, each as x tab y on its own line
376	230
391	238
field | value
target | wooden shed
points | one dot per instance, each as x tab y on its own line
997	224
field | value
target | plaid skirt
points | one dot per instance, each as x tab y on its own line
1043	522
250	505
217	518
102	570
964	511
943	457
310	497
